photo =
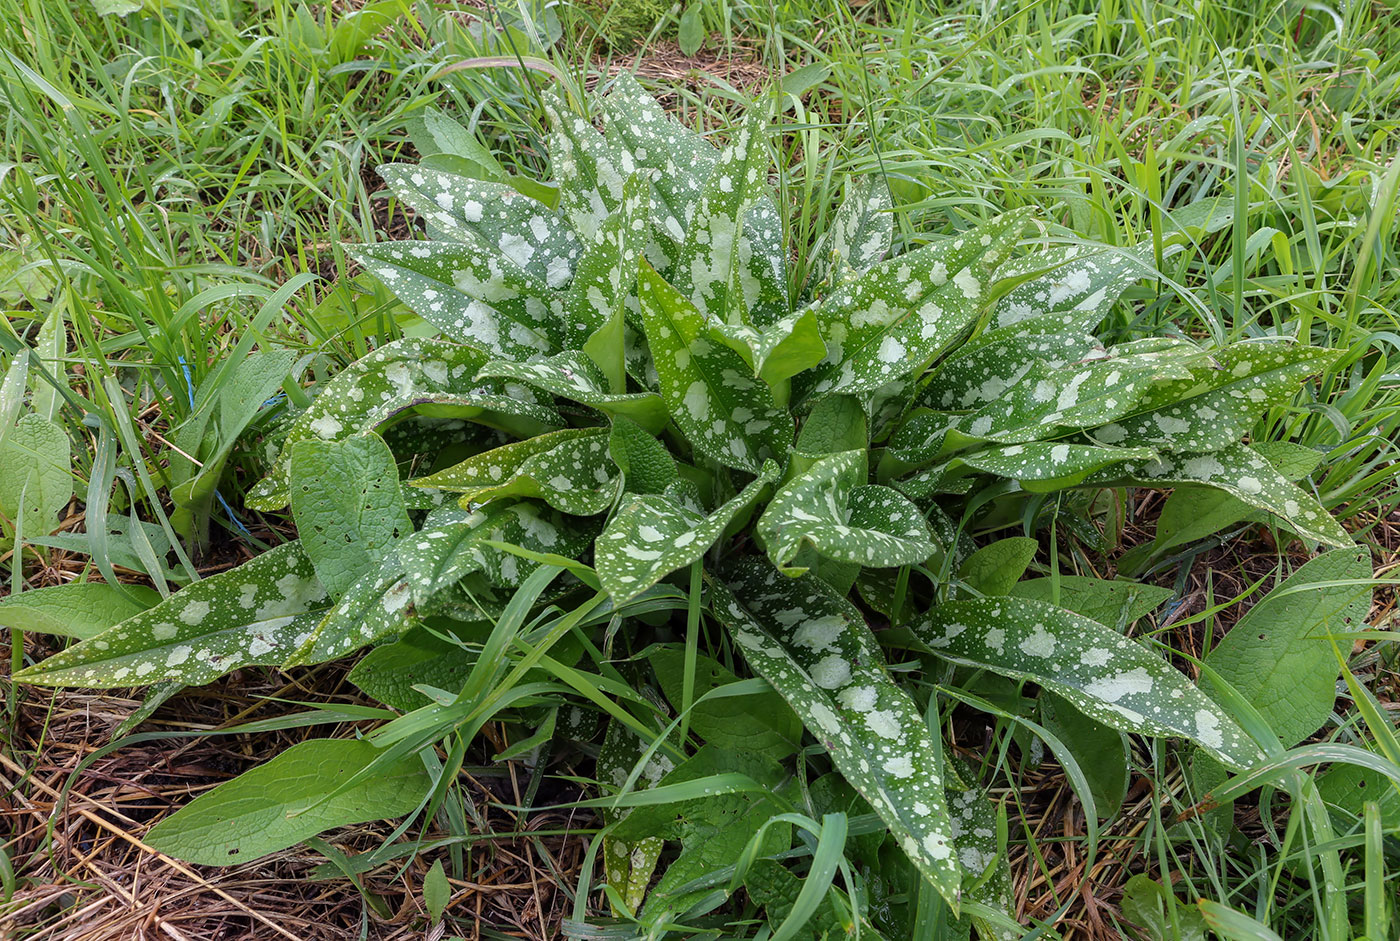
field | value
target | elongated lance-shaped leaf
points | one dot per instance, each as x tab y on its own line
814	648
1040	466
727	265
1108	677
590	170
570	470
1080	395
572	375
974	817
407	374
1243	473
827	508
860	234
1072	288
460	209
653	535
895	319
374	607
983	371
257	613
724	412
348	506
472	293
606	279
1250	378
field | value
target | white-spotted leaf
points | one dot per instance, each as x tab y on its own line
570	470
572	375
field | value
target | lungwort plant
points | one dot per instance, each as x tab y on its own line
644	459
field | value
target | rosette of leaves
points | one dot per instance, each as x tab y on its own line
642	418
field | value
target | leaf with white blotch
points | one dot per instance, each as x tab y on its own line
453	544
460	209
374	607
589	169
827	508
280	803
75	609
1081	395
570	470
348	506
629	866
1072	288
719	269
860	235
900	315
606	279
1110	602
983	371
1243	473
1105	675
409	374
653	535
572	375
472	293
1248	379
985	866
1039	466
724	412
256	613
815	649
1280	655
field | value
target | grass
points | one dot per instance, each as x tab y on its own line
178	182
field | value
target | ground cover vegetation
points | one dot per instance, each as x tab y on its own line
610	470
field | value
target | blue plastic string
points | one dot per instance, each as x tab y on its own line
233	517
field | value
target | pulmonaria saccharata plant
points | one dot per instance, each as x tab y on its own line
638	420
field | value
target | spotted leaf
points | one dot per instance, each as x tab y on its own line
896	318
860	234
258	613
816	651
1243	473
572	375
1071	287
653	535
1107	676
570	470
828	508
472	293
1219	410
1039	466
590	170
460	209
983	371
728	415
429	377
374	607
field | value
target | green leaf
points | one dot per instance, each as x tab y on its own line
1280	657
860	234
1113	603
1039	466
412	373
281	803
36	473
1244	474
1248	379
760	722
606	279
997	567
348	506
492	216
1108	677
117	7
1145	903
419	658
653	535
77	609
570	470
472	292
572	375
724	412
1072	287
647	467
1101	751
863	525
814	648
257	613
836	423
692	30
901	314
437	892
629	866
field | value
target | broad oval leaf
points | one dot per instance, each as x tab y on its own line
258	613
77	609
282	802
860	524
1108	677
814	648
